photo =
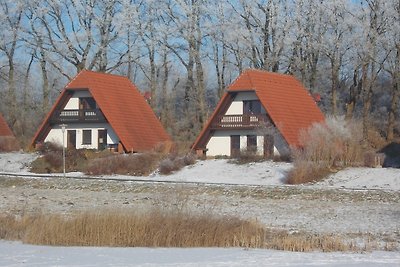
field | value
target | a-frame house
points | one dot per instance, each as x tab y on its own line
260	111
101	111
5	131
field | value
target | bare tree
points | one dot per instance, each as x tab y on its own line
10	17
391	44
77	32
336	44
306	39
370	62
186	43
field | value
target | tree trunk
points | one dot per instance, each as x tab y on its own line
46	91
394	103
335	82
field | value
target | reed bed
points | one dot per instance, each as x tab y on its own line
162	229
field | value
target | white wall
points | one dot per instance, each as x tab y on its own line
236	107
55	135
220	143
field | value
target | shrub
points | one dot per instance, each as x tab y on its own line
306	172
175	163
8	144
325	146
336	143
130	164
167	166
49	147
247	156
52	161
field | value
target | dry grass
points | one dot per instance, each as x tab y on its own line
152	229
8	144
306	172
165	229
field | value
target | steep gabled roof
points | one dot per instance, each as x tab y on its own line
131	118
286	101
4	129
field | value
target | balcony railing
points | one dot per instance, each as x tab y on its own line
245	121
78	115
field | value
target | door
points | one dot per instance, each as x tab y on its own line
235	146
268	146
252	144
102	139
71	139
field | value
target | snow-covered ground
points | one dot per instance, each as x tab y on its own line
331	206
17	254
221	171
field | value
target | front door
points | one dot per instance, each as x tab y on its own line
102	139
235	146
71	139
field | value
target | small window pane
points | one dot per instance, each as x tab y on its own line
87	137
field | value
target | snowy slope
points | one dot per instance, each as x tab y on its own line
17	254
221	171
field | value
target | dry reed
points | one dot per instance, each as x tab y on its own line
162	229
152	229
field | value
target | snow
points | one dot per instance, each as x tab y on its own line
296	211
17	254
16	162
221	171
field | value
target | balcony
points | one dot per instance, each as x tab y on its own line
239	122
78	116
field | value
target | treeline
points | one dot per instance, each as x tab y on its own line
185	53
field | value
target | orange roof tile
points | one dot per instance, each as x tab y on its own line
287	102
4	129
132	119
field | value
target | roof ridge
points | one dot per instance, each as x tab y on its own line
94	72
73	79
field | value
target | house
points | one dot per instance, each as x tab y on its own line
8	142
260	111
5	131
101	111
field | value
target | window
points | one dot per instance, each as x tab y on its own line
252	143
87	103
252	107
86	137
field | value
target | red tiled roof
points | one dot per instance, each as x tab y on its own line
131	118
4	129
287	102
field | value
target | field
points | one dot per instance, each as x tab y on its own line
360	206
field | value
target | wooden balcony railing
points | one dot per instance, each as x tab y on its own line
245	121
77	115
